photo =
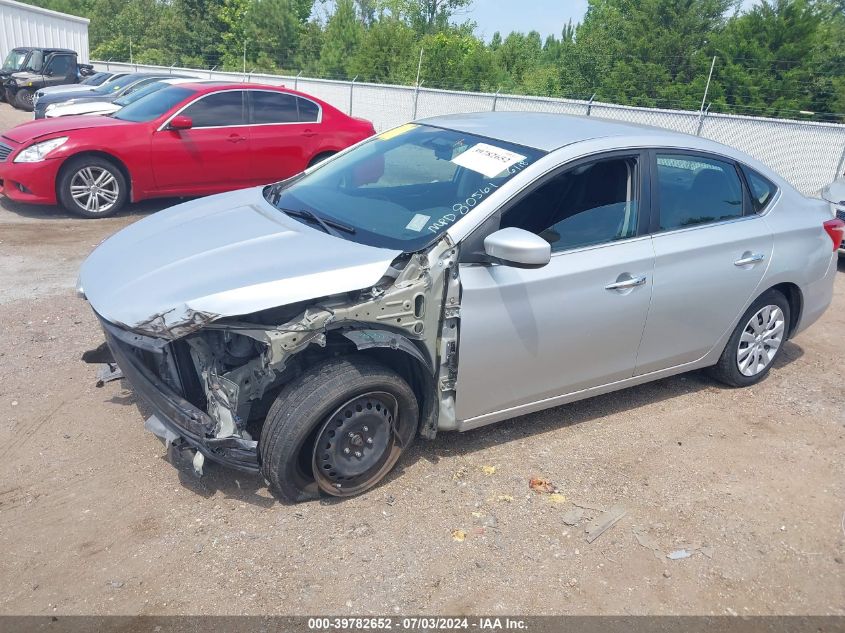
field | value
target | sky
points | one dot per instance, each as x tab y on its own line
543	16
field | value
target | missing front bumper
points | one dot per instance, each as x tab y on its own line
179	420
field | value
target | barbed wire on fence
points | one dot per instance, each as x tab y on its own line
807	153
738	98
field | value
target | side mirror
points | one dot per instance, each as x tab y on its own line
835	192
518	247
181	123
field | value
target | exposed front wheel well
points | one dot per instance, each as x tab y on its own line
411	369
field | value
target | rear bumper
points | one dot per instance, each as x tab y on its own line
32	183
189	424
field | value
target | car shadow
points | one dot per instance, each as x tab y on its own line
56	212
575	413
841	264
248	488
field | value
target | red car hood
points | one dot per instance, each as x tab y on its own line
42	127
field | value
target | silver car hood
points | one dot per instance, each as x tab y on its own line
225	255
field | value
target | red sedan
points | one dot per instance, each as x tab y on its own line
189	139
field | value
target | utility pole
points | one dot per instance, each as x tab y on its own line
244	57
130	50
419	67
707	87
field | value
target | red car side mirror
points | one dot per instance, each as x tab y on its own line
181	123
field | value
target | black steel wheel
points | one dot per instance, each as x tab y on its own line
338	428
357	445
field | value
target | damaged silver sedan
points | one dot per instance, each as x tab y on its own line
449	274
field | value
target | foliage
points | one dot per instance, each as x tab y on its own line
776	57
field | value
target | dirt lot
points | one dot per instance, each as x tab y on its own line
93	518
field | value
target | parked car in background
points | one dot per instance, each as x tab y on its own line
108	91
108	105
87	83
185	140
41	67
450	274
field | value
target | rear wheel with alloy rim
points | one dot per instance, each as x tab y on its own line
92	187
756	342
339	428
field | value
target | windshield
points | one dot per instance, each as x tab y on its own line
117	84
404	188
153	105
132	97
14	60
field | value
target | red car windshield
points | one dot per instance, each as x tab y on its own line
153	105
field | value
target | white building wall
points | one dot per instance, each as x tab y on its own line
27	25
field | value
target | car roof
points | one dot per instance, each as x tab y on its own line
42	48
548	132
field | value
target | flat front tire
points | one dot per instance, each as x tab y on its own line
756	342
92	187
338	428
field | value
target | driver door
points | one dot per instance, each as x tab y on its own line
529	335
211	156
60	69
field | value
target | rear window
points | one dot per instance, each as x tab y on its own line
273	107
762	189
694	190
309	112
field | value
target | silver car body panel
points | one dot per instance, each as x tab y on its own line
226	255
502	341
537	333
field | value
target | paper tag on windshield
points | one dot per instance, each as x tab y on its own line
418	222
487	159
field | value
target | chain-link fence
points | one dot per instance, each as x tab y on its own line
808	154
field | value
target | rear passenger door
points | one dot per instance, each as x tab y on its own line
284	134
711	252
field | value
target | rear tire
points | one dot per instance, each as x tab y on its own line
319	158
24	100
361	414
92	187
756	342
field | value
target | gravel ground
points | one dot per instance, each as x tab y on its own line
94	518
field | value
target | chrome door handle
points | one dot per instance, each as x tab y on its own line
627	284
750	259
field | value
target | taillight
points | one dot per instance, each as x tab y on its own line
836	229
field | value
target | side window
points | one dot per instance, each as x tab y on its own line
696	190
593	203
59	66
762	189
273	107
309	112
217	110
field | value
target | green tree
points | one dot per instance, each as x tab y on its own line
341	39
